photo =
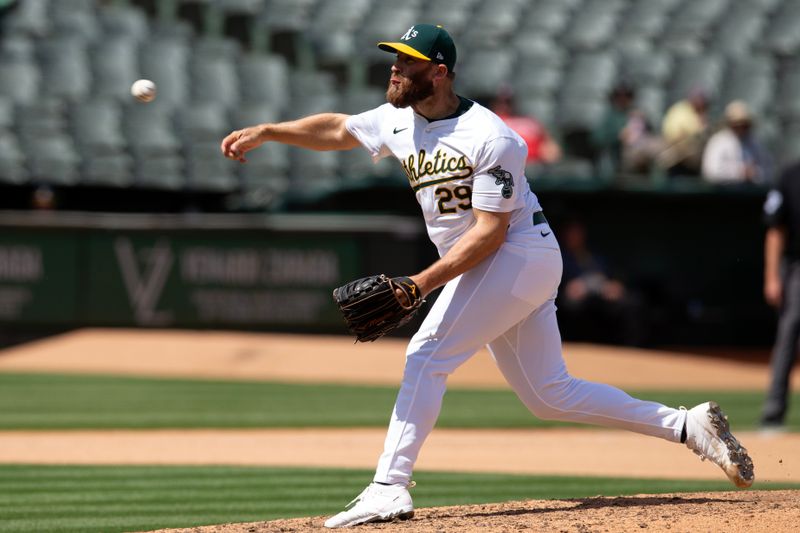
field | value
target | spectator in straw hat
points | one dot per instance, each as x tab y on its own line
732	154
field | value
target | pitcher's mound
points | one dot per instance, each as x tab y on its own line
746	511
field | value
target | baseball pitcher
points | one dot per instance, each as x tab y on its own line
500	266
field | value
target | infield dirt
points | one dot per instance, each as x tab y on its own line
335	359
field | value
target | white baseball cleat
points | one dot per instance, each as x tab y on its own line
376	503
708	434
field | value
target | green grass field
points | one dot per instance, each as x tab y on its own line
113	499
126	498
42	401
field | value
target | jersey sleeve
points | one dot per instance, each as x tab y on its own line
775	204
366	128
499	176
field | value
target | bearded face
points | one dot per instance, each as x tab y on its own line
411	89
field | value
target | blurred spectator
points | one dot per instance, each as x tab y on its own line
592	303
624	137
684	129
43	198
782	287
732	154
541	146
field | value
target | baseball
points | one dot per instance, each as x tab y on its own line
144	90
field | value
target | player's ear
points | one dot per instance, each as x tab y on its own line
441	72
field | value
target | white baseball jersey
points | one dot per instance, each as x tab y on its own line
506	302
454	164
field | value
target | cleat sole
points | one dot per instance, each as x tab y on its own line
744	475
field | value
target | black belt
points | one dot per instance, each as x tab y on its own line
538	218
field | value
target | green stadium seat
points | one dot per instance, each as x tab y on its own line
12	160
96	126
647	68
212	72
114	64
149	129
208	171
124	21
264	78
486	71
107	170
162	171
53	160
532	79
29	17
165	60
203	122
20	81
65	67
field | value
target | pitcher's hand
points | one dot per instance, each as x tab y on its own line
239	142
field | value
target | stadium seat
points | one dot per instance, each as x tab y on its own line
6	114
65	67
751	79
96	126
332	30
495	23
642	19
75	18
311	92
531	79
264	78
486	71
590	30
547	17
114	64
286	15
781	35
207	170
107	170
382	23
355	101
165	60
149	129
788	95
695	19
20	81
648	68
269	161
17	48
203	122
124	21
250	113
159	171
539	106
453	15
41	117
53	160
213	73
12	160
703	71
739	33
29	17
589	75
580	114
789	146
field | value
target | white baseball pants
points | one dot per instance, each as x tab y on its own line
507	303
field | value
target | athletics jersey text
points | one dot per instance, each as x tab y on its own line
420	166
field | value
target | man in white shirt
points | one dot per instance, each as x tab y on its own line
500	267
732	155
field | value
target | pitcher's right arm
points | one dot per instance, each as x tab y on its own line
324	131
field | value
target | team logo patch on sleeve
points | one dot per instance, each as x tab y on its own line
504	178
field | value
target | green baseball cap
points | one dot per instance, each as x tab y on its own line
428	42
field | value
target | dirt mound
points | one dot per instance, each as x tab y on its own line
747	511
